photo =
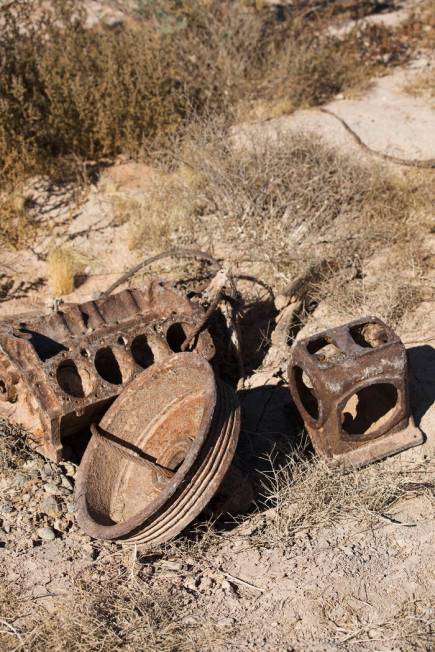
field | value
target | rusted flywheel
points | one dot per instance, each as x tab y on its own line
159	454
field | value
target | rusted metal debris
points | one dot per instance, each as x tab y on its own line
350	385
60	372
159	454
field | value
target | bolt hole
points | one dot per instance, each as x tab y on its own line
141	351
85	353
122	340
325	351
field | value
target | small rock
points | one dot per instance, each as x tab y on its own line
71	508
190	583
227	586
20	479
50	506
6	528
48	468
66	483
46	533
281	301
189	620
58	525
171	565
226	622
6	508
206	583
70	469
33	465
52	488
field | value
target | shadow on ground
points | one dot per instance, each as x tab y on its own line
422	380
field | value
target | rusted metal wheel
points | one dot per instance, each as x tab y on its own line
160	453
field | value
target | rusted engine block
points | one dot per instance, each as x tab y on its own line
350	385
60	372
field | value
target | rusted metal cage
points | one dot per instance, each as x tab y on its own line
350	385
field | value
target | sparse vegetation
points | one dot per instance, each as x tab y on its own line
308	495
71	95
282	196
64	264
181	86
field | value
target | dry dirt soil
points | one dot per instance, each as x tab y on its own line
320	565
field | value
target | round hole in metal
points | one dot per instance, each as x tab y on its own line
369	409
141	351
74	381
175	337
108	366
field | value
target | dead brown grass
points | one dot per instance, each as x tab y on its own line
64	265
308	495
70	95
14	451
286	198
110	607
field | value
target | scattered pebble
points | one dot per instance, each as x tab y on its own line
227	586
69	469
189	620
50	506
66	483
190	583
171	565
46	533
20	479
6	508
52	488
226	622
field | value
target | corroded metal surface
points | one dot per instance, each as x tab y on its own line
350	385
160	453
59	372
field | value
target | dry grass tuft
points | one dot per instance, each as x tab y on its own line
115	608
14	450
308	495
410	627
70	93
424	85
64	265
280	194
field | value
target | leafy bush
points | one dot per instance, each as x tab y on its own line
71	93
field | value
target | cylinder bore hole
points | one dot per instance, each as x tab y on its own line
369	409
108	366
141	351
74	381
306	393
175	337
